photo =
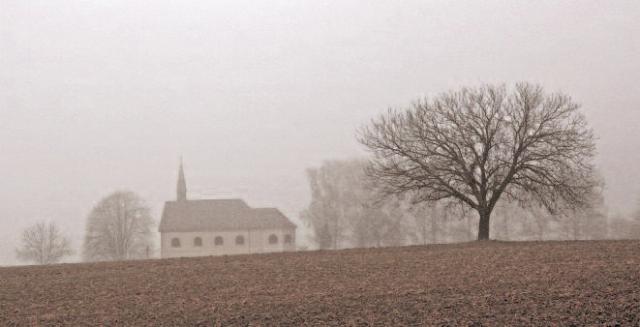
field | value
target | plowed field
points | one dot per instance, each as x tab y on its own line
485	283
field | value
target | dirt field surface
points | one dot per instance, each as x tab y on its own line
486	283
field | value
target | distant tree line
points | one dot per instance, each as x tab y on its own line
515	160
347	211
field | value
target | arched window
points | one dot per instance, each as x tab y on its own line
239	240
197	241
218	240
273	239
175	242
288	238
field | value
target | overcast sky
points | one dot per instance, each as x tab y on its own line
97	96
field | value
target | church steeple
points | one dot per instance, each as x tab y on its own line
182	185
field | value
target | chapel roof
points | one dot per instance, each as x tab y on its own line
219	215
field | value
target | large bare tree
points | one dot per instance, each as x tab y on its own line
118	228
43	244
475	146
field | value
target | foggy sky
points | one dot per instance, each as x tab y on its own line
97	96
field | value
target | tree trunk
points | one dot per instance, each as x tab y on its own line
483	227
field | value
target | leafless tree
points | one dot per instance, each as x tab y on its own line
337	195
343	211
118	228
477	145
43	244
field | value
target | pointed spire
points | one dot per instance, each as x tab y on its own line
182	184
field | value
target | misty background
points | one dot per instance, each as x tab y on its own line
97	96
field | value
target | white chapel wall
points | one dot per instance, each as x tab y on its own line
255	241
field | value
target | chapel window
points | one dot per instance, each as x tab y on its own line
288	239
273	239
175	242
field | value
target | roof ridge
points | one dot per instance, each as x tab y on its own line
204	200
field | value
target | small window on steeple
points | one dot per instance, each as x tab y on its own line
239	240
197	241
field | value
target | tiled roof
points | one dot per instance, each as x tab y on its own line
219	215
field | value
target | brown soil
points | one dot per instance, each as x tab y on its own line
485	283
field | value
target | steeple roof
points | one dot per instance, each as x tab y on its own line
181	189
